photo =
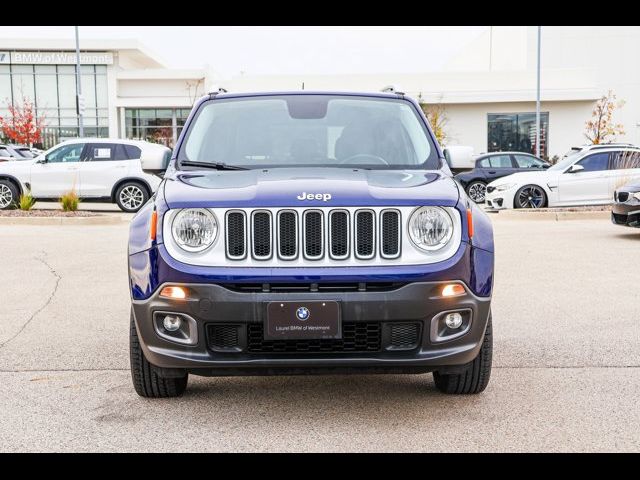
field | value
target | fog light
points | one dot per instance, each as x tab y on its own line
452	290
452	320
171	323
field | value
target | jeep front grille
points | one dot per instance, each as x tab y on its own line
315	233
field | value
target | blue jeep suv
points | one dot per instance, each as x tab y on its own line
309	232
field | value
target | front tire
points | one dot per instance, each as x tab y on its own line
8	195
146	381
475	376
530	196
477	191
131	196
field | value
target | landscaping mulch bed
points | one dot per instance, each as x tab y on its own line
46	213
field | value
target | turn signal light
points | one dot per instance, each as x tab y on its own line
470	222
176	293
452	290
153	228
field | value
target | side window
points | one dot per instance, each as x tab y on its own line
500	161
133	152
626	159
595	163
66	153
484	163
4	152
527	161
106	152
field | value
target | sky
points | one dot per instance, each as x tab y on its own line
230	51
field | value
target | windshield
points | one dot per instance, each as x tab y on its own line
25	152
310	130
566	161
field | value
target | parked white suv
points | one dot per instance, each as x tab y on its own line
95	168
587	175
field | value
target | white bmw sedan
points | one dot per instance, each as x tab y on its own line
586	176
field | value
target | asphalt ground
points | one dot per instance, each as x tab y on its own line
566	371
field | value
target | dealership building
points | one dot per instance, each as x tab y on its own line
487	90
128	92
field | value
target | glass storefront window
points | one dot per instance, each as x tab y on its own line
517	132
53	90
158	125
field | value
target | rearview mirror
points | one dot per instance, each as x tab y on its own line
155	159
575	168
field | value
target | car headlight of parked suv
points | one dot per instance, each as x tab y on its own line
430	228
195	229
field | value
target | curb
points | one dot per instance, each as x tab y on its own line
47	221
556	216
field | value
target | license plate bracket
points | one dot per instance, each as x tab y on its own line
292	320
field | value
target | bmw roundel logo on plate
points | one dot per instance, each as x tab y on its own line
303	313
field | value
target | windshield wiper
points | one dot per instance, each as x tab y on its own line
215	165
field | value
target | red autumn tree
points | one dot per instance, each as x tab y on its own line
22	125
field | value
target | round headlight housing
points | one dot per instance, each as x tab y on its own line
430	228
194	229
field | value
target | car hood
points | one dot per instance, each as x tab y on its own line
286	187
16	165
633	186
523	178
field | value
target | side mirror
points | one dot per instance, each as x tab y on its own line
155	160
459	158
41	159
575	168
545	166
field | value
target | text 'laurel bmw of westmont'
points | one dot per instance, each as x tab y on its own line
309	232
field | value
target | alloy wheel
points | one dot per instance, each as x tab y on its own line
131	197
531	197
477	192
6	196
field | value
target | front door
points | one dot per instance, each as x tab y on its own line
59	174
102	166
588	186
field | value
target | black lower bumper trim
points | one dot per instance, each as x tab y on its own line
406	339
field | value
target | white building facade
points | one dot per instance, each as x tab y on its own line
128	92
487	91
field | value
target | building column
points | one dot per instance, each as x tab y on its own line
112	93
123	125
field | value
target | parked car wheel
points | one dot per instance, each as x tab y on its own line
131	196
146	381
530	196
476	374
8	195
476	191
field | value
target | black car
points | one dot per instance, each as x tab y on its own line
491	166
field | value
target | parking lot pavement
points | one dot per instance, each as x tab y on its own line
566	368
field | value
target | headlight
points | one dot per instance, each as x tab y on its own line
430	228
637	196
194	229
505	186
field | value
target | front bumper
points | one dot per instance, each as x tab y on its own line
498	200
416	303
626	214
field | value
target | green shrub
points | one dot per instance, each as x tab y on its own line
69	201
26	201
